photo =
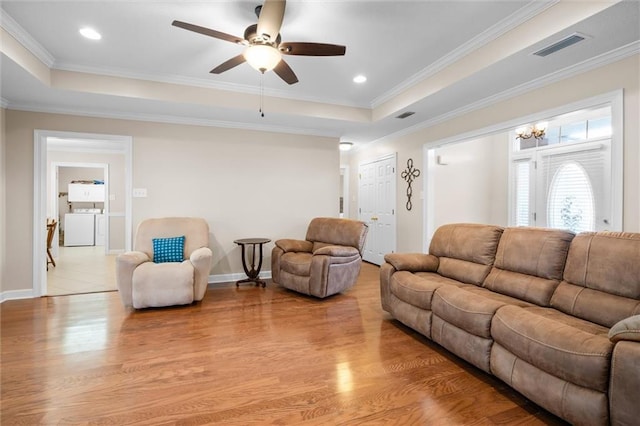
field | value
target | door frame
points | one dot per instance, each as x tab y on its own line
85	141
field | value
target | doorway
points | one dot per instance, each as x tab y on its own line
377	207
78	203
89	266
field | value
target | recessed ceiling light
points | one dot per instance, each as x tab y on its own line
90	33
359	79
345	146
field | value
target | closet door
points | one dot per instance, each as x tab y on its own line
377	199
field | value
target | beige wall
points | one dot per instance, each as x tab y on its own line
244	183
471	185
3	213
623	74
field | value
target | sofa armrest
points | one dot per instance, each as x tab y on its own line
295	245
126	263
337	251
626	329
201	260
413	262
624	384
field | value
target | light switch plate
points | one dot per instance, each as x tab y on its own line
139	192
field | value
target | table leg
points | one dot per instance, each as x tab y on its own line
253	274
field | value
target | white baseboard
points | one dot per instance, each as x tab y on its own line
213	280
16	294
231	278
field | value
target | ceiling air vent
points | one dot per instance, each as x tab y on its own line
406	114
565	42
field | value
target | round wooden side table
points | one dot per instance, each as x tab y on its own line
253	273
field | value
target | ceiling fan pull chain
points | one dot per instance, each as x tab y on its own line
262	95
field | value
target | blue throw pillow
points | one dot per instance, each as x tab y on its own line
168	249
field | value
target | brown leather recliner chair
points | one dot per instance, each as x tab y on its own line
327	262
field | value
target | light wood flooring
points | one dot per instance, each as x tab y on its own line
81	270
243	356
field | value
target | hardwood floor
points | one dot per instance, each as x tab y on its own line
242	356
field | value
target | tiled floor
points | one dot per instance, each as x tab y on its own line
81	270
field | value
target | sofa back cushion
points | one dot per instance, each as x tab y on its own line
601	278
529	263
324	231
195	230
466	250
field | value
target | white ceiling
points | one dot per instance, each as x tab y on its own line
431	57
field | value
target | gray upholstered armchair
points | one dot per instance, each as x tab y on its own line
326	262
169	265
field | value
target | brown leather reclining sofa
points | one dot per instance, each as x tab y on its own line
553	314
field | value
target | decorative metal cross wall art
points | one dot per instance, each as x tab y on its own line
409	175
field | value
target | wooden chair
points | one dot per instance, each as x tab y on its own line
51	230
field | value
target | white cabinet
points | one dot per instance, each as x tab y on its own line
79	192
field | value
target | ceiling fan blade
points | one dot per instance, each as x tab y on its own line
225	66
312	49
270	19
285	72
208	32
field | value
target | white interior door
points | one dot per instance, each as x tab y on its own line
377	199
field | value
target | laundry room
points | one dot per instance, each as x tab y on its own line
81	199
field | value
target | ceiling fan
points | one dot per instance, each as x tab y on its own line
264	46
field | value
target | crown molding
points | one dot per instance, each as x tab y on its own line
517	18
24	38
571	71
199	82
168	119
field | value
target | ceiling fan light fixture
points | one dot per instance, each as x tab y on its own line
345	146
262	57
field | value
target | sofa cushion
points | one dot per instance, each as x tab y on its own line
466	250
472	314
176	290
576	404
418	289
296	263
602	268
551	341
463	271
195	230
342	232
529	263
606	261
472	348
502	298
587	304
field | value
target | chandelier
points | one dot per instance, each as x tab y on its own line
536	131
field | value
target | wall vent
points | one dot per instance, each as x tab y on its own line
559	45
406	114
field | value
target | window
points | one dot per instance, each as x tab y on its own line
522	190
564	179
571	204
